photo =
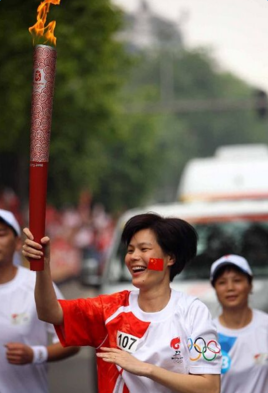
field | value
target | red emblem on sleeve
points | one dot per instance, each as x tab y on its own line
156	264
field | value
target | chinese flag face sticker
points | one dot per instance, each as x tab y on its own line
156	264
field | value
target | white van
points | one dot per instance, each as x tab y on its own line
223	228
235	172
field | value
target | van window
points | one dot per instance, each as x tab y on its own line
242	237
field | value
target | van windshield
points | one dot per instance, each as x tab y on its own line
246	238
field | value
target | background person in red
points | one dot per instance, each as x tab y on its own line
152	339
243	331
24	341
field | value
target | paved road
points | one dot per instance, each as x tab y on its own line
76	374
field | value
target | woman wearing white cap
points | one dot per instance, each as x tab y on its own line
25	348
242	331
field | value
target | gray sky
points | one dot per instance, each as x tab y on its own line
235	30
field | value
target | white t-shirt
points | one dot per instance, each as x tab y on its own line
245	356
19	323
181	338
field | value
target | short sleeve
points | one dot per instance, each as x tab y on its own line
83	323
204	349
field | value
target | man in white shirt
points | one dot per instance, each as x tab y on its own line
24	339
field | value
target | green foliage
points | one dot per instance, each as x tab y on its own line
98	142
88	78
85	104
132	171
192	75
15	61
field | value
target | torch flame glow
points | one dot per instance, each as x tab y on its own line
41	33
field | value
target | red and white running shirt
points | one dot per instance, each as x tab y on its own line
180	338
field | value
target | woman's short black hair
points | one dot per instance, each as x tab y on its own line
176	237
228	268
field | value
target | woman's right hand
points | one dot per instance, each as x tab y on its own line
34	250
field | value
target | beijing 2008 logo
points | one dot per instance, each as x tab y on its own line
175	344
209	350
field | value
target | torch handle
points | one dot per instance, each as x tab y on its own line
37	208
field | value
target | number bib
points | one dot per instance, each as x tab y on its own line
127	342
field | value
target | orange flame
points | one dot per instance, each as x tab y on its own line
41	33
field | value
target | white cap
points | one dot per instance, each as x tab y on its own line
10	220
230	259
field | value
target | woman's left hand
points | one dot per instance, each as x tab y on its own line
124	360
18	353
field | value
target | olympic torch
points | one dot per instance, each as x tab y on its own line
44	69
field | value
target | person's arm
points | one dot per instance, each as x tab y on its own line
185	383
48	308
20	354
181	383
58	352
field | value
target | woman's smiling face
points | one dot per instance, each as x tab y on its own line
233	289
142	247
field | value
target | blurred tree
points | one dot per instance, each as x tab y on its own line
132	172
261	103
89	76
192	132
15	86
90	66
97	142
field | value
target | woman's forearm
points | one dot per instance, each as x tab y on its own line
184	383
48	308
57	352
47	305
180	383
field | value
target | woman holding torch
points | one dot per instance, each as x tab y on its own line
150	339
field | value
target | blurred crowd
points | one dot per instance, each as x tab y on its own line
76	232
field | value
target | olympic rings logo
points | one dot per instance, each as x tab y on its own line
208	350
